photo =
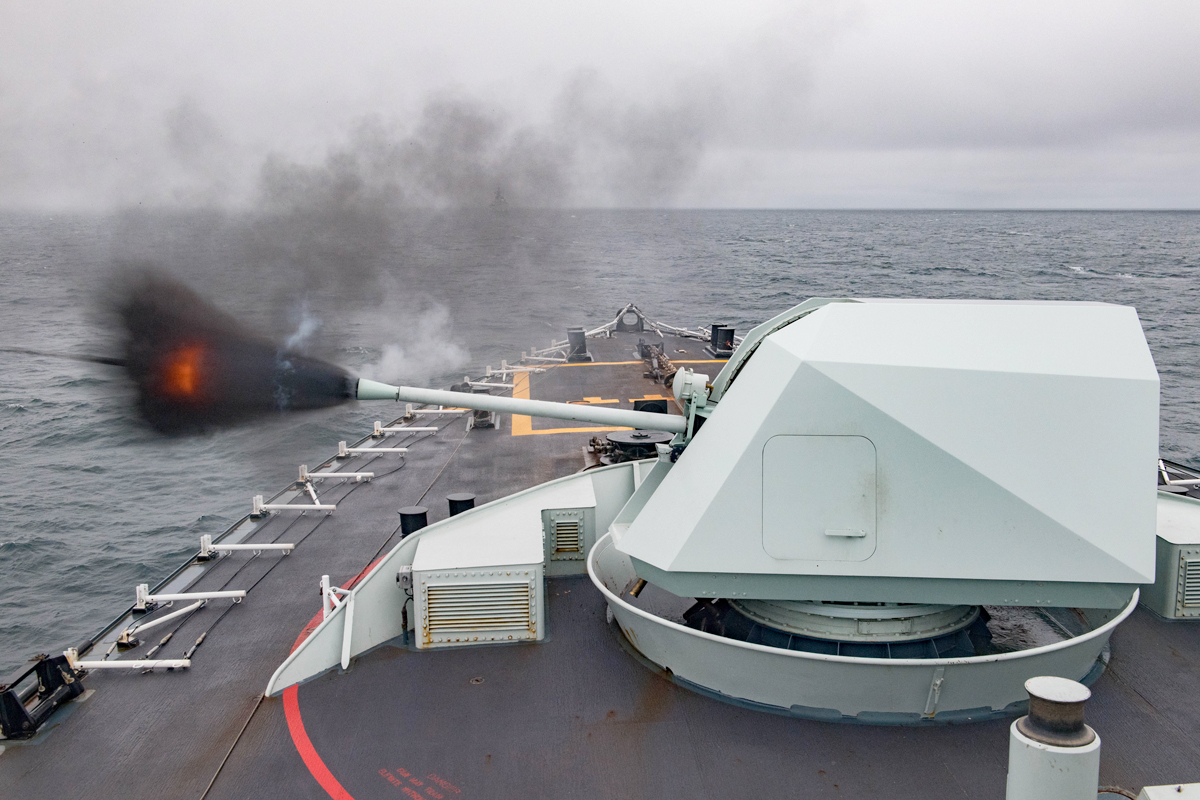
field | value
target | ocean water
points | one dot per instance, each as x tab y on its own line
92	503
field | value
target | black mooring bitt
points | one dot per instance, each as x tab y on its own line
460	502
712	339
721	342
412	519
56	684
577	345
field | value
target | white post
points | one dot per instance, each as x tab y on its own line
72	655
255	547
345	452
328	507
144	600
236	596
1052	754
206	548
347	630
380	430
326	602
165	618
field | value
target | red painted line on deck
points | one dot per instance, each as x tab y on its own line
295	722
308	753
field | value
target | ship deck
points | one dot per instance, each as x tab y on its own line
578	715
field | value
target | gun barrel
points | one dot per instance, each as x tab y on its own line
617	417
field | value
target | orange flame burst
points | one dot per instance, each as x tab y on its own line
181	372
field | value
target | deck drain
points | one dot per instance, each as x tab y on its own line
476	681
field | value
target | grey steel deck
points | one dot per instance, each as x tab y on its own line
575	716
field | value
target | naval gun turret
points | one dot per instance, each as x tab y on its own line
837	511
941	452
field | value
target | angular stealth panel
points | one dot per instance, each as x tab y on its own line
1014	442
819	498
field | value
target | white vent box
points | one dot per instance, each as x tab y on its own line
1176	590
478	606
1174	791
479	578
568	534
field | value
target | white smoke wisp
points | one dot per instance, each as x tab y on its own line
307	324
422	350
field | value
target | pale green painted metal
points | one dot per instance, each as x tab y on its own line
379	599
1016	446
617	417
895	691
1178	542
755	337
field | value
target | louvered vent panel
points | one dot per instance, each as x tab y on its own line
478	607
1191	582
566	537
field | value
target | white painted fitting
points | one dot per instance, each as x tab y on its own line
1039	768
144	597
162	598
306	476
292	507
257	547
166	618
380	430
261	509
1173	791
1039	771
167	663
170	663
330	597
344	451
207	548
409	411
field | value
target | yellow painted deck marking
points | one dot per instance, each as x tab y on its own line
649	397
522	425
591	401
623	363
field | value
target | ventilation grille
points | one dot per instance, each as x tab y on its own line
567	536
459	608
1191	583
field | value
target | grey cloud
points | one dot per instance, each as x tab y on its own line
553	105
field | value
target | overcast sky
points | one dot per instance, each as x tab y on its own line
685	104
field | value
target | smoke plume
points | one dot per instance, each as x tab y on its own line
195	367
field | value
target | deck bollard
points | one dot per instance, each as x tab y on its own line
1052	753
413	518
460	502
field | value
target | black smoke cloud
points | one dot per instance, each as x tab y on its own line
195	367
357	233
337	227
